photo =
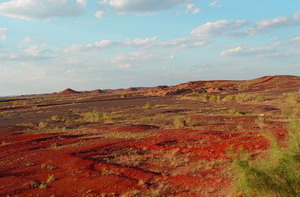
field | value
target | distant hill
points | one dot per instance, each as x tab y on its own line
69	91
212	86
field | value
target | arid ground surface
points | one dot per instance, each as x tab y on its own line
162	141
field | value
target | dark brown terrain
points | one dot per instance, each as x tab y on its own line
160	141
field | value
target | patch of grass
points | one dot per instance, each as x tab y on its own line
30	164
261	122
56	118
228	98
106	172
276	175
124	95
233	111
260	98
49	167
43	186
51	178
244	97
127	135
93	116
290	111
290	108
147	105
38	184
160	106
179	122
291	98
43	124
3	143
215	98
204	97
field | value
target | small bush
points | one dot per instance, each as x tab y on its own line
124	95
290	108
147	105
93	116
291	98
215	98
43	124
260	98
43	186
51	178
179	122
234	111
228	98
30	164
243	97
203	97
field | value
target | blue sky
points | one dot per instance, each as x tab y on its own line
50	45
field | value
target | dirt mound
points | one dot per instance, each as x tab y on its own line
69	91
97	91
227	86
277	81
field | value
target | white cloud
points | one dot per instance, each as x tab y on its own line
218	28
274	23
29	40
96	46
214	4
297	38
99	14
124	66
2	33
141	6
36	50
104	44
139	42
183	43
41	9
192	8
146	43
258	52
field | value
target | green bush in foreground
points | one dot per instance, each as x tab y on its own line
276	175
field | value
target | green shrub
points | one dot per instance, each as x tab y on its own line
234	111
290	108
291	98
260	98
179	122
215	98
276	175
290	111
228	98
124	95
43	124
203	97
43	186
93	116
148	105
51	178
243	97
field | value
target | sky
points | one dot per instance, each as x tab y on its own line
50	45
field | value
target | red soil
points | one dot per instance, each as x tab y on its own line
90	165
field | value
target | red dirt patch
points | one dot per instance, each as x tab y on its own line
170	162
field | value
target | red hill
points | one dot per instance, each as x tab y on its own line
69	91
